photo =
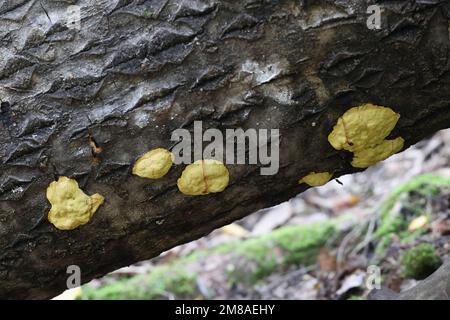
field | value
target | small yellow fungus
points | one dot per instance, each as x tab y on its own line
71	207
203	177
154	164
363	131
316	179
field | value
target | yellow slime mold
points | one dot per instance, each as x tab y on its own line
316	179
203	177
71	207
363	131
154	164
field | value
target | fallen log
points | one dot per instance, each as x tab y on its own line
87	103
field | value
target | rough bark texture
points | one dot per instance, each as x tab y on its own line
435	287
137	70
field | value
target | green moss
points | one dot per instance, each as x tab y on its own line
155	285
291	245
249	261
420	261
382	246
390	224
393	222
426	185
407	237
302	247
355	297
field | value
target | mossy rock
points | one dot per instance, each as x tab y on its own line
158	284
420	261
252	260
291	245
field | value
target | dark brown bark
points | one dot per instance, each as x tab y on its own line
137	70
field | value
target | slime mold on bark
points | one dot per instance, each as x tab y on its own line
203	177
363	130
71	207
154	164
316	179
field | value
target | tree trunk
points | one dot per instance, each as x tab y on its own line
137	70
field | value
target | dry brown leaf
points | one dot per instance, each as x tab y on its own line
346	201
441	228
327	261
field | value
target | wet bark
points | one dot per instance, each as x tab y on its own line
137	70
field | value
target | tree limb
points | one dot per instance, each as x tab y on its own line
137	70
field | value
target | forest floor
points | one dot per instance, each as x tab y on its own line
388	225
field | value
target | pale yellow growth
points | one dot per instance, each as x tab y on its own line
154	164
71	207
316	179
418	223
203	177
372	155
363	131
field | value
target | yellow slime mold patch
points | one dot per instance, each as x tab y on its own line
154	164
316	179
203	177
363	131
71	207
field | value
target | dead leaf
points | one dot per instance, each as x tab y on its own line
336	203
346	201
394	282
70	294
441	228
235	230
353	281
418	223
308	289
276	217
327	261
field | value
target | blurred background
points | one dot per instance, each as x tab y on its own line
389	225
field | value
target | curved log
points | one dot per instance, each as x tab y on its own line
87	103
